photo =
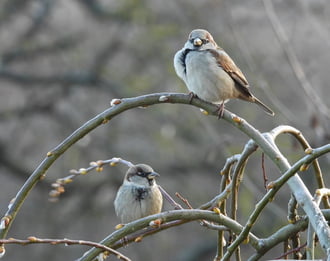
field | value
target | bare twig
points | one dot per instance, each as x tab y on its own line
292	210
281	235
225	189
238	172
249	148
184	200
229	164
203	223
265	142
35	240
185	215
217	200
319	194
169	198
58	186
317	218
263	170
295	239
294	250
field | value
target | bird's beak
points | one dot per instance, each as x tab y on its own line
153	175
197	42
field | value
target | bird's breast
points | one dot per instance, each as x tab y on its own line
207	79
134	202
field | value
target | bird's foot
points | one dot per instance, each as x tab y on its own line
125	241
220	110
192	96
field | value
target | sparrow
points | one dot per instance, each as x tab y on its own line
139	195
210	73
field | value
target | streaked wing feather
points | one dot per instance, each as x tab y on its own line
228	65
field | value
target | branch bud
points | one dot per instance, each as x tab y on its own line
236	119
163	98
2	251
32	239
119	226
204	111
115	102
83	171
155	223
138	239
304	167
309	151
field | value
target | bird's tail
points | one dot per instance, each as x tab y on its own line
263	106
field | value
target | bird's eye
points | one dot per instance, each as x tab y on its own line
142	174
205	41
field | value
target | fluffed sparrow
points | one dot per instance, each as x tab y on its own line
139	195
210	73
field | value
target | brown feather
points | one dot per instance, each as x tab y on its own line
241	84
228	65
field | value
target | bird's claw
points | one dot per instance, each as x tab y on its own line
220	110
192	96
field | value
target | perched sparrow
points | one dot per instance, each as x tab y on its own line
210	73
139	195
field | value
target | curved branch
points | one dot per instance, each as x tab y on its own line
121	106
304	143
185	215
276	185
265	142
265	244
35	240
249	148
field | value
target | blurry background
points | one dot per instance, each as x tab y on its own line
61	62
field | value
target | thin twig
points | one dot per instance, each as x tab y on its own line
184	200
238	172
203	223
169	198
292	210
224	188
35	240
319	194
317	219
295	239
217	200
281	235
294	250
263	170
58	186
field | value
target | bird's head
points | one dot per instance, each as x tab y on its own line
141	174
200	39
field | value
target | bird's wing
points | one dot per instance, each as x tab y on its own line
228	65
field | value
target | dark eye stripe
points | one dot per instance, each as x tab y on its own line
204	41
143	174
